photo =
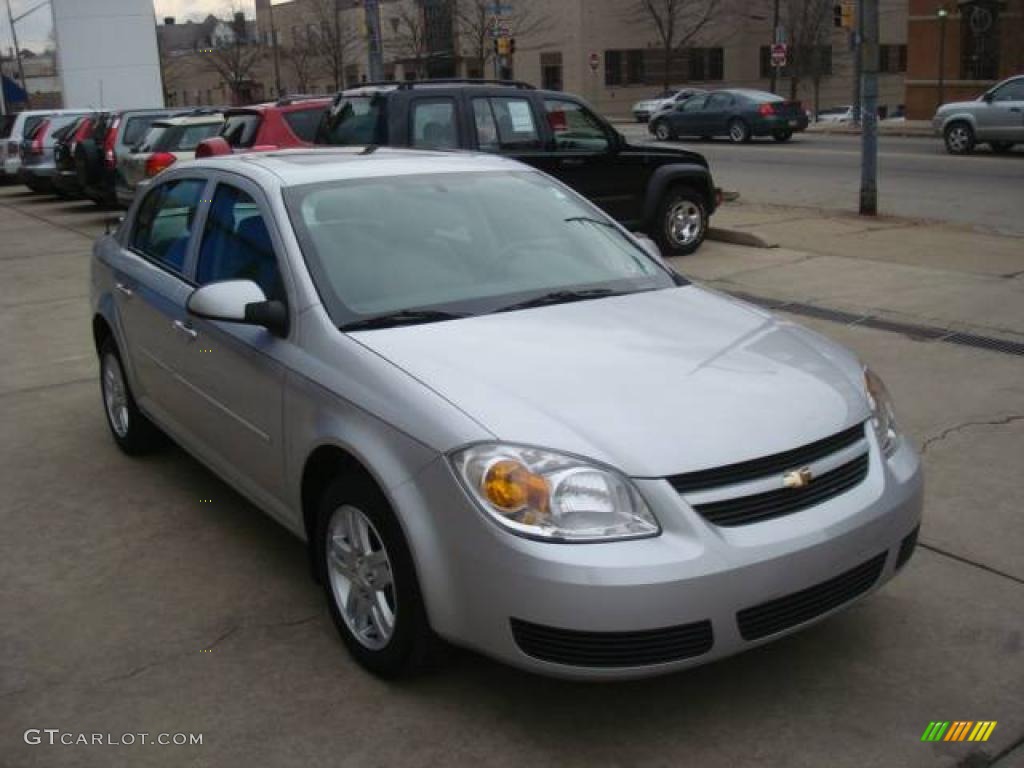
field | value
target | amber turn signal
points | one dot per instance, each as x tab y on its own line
510	486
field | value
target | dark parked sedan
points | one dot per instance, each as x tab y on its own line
738	113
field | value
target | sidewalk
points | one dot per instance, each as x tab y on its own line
927	273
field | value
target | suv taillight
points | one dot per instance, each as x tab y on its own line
159	161
109	157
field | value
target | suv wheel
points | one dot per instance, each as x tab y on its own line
662	132
132	431
959	138
369	579
739	132
682	222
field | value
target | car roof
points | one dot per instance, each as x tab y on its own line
294	167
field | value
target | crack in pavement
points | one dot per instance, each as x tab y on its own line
967	561
966	425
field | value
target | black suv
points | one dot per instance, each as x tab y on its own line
666	193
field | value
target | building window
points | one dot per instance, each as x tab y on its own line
705	64
892	59
613	67
551	71
635	67
979	41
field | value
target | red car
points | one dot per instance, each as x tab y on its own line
288	122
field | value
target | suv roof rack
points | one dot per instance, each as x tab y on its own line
286	101
406	85
197	111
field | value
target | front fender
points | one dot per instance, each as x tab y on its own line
965	117
690	174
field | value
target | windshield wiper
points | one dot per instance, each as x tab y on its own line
404	317
561	297
589	220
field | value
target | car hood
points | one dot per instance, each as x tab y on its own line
654	383
956	106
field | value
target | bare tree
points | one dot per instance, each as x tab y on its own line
410	40
808	26
303	56
235	60
473	25
335	38
676	23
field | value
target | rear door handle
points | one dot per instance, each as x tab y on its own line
124	289
192	333
572	161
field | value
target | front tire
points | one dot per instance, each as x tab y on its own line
739	132
369	580
132	431
959	137
682	222
662	131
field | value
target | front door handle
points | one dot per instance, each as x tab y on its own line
192	333
124	289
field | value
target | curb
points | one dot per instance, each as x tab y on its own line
738	237
916	133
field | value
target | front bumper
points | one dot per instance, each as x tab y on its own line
478	580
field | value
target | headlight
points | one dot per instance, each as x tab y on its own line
547	495
883	417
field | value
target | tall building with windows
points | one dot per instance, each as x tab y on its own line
959	49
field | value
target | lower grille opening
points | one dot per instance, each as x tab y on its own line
907	547
784	612
612	649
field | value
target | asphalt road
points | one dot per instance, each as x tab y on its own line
145	596
917	178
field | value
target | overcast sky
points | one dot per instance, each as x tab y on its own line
34	29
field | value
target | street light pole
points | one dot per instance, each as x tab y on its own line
942	14
869	118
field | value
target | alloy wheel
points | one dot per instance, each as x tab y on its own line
115	396
958	139
361	578
683	223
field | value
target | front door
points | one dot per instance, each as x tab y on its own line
1006	112
686	118
234	371
714	117
150	290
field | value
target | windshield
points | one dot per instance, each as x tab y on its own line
351	121
462	243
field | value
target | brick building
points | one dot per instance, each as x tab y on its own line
982	42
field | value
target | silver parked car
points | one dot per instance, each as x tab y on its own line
995	118
495	416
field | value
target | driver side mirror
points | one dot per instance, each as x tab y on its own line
238	301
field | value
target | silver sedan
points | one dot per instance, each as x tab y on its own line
496	417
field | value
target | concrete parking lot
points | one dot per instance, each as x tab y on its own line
131	604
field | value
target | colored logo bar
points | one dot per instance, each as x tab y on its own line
958	730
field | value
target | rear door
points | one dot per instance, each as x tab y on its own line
714	117
150	291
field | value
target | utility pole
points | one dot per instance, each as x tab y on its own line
374	43
856	43
273	45
17	51
775	39
869	95
942	14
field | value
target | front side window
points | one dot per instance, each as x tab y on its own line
433	124
575	127
1012	91
163	224
461	246
693	105
236	243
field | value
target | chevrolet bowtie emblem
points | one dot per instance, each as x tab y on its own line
798	478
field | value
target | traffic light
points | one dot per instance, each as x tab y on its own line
503	46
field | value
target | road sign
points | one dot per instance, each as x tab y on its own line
499	9
779	55
595	62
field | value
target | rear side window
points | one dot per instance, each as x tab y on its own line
135	129
31	123
505	123
352	120
190	136
433	124
240	130
163	224
236	243
304	122
152	138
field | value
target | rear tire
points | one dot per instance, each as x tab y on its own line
369	580
134	434
682	222
739	132
959	137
